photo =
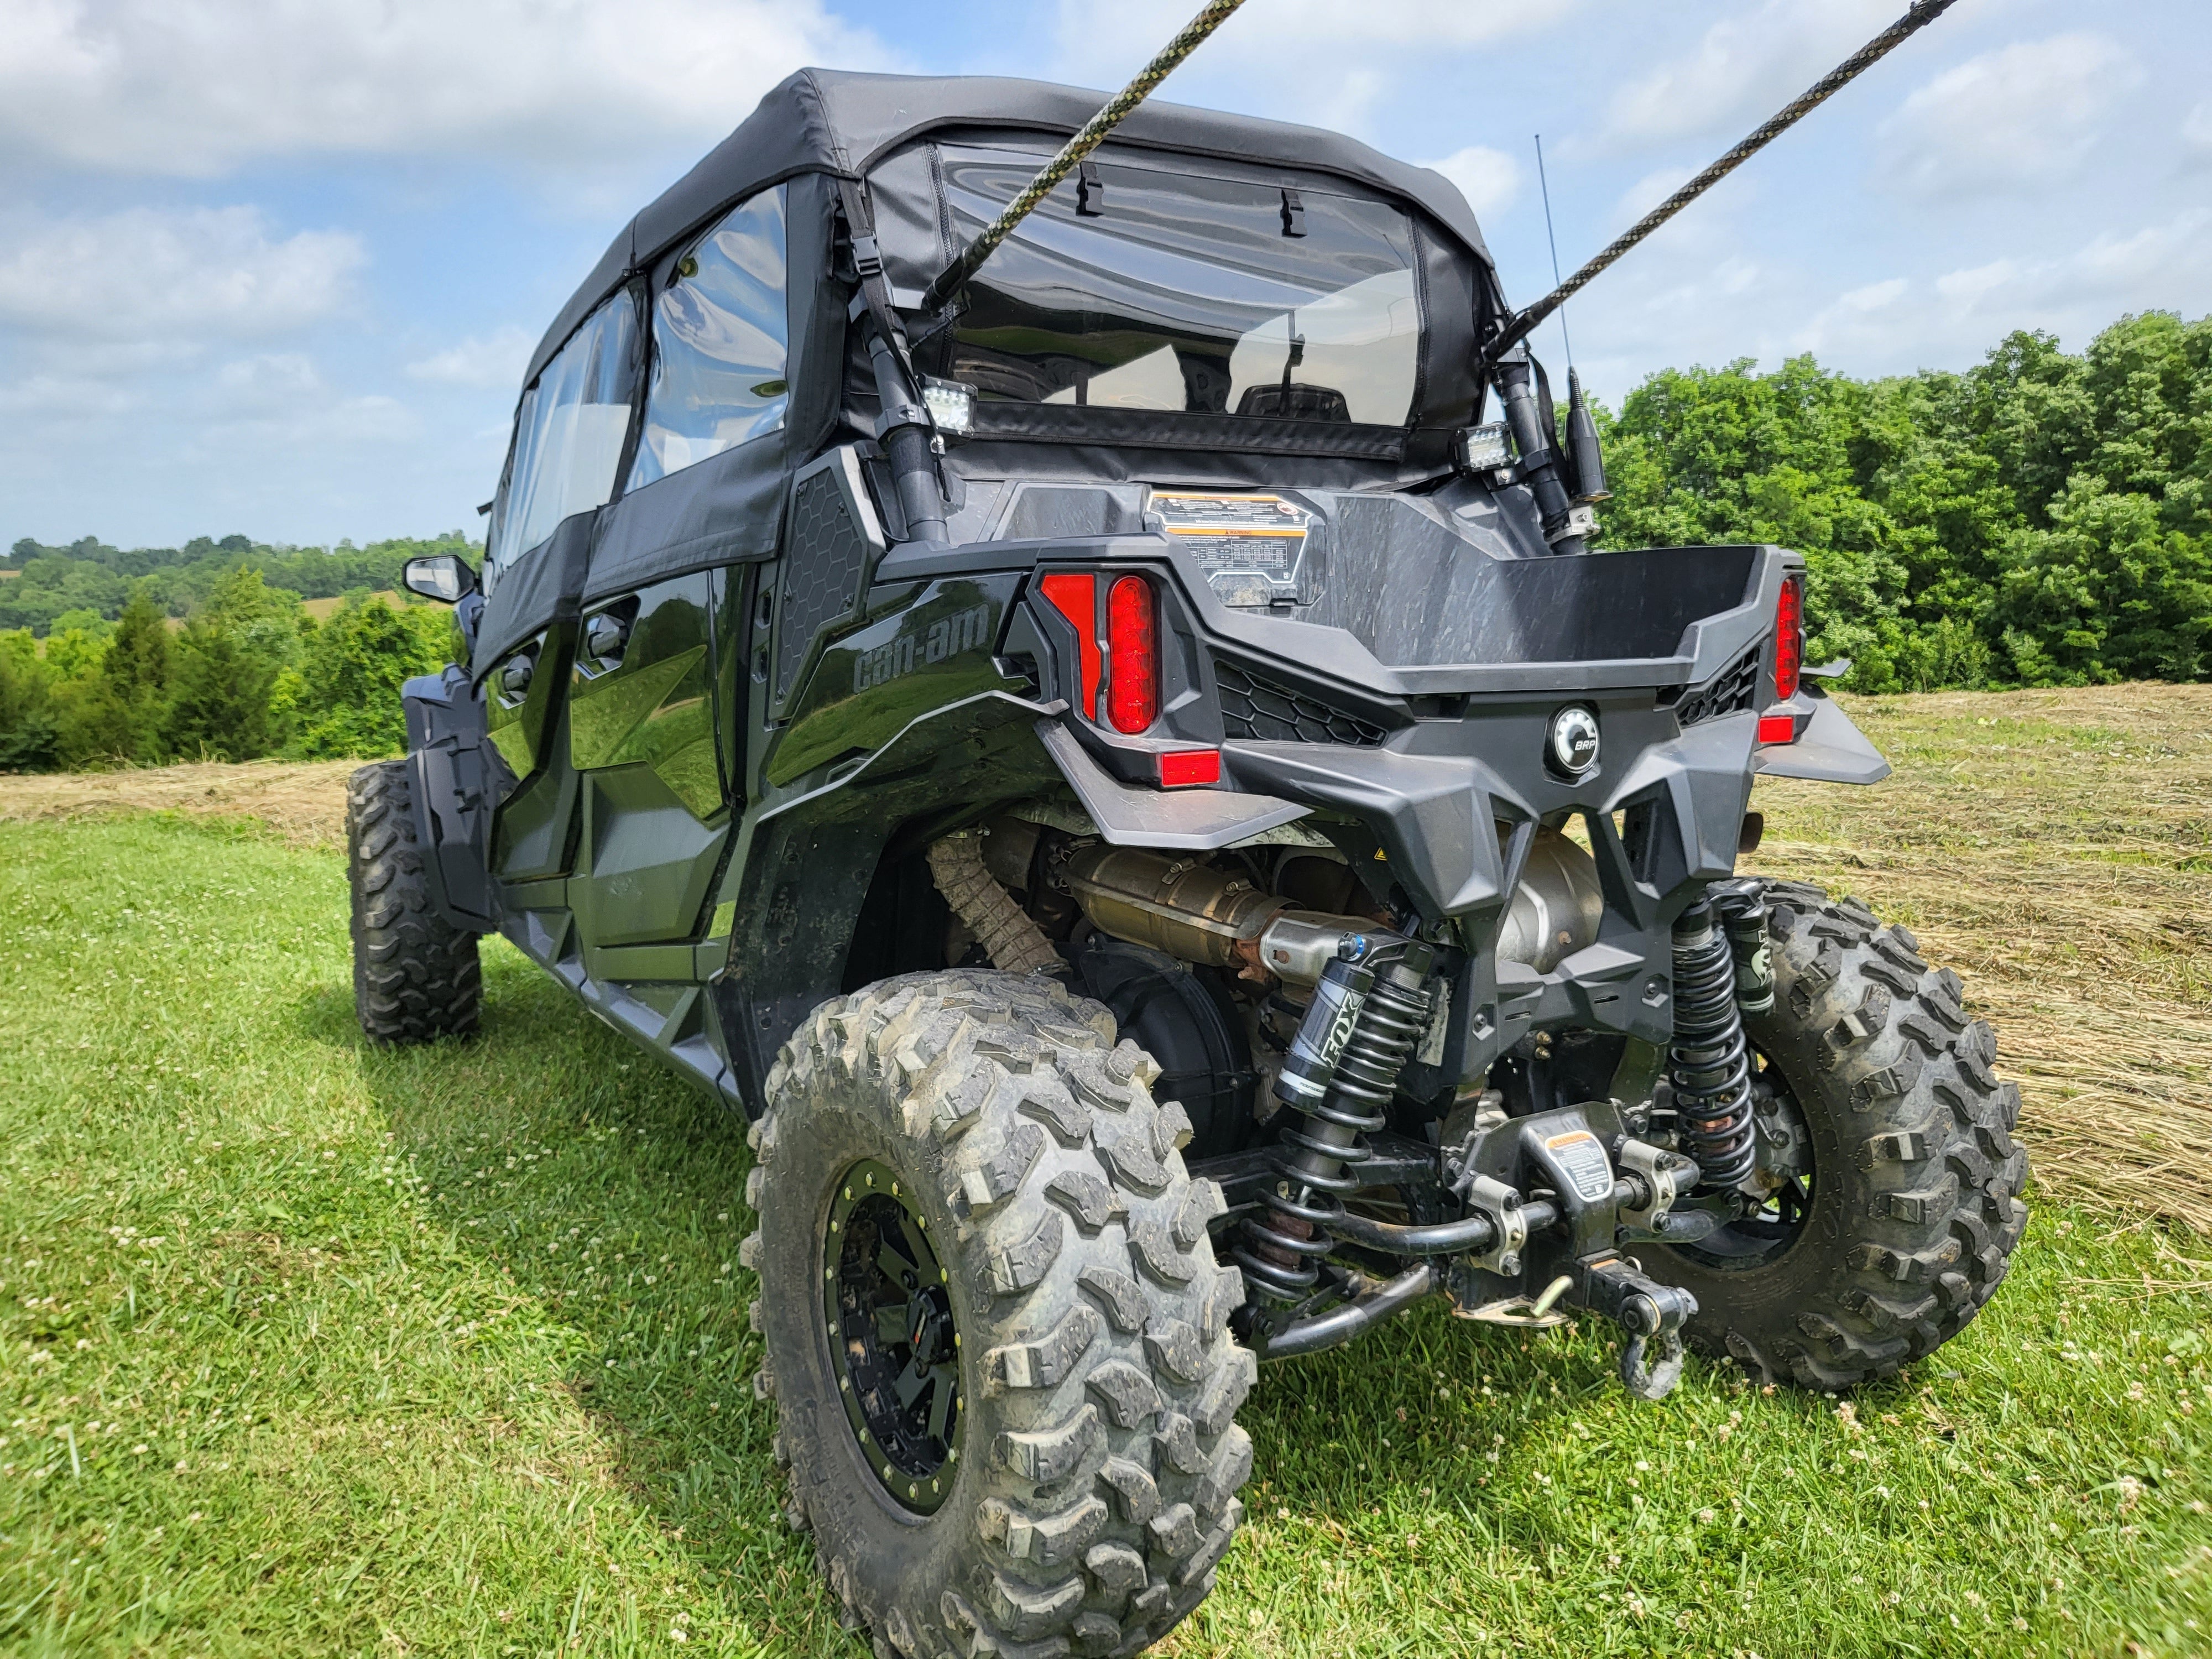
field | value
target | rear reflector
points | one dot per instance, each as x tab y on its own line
1076	597
1132	657
1788	637
1180	767
1777	728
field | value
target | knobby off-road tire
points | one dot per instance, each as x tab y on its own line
1915	1205
1096	1489
415	974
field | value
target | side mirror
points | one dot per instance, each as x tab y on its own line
445	577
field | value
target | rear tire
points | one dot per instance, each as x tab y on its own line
1091	1487
1915	1204
416	977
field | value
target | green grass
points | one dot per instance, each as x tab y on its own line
306	1349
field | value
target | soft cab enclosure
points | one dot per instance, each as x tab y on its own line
727	691
933	155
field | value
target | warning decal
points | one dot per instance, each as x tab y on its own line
1582	1155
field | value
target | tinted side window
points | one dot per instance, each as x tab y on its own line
568	435
719	336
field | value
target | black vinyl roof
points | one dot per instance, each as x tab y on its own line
832	121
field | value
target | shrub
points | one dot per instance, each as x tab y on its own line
346	699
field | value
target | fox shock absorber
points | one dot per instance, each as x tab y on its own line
1710	1061
1368	1011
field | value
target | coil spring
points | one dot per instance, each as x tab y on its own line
1710	1061
1316	1154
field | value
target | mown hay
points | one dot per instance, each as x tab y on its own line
2056	848
303	803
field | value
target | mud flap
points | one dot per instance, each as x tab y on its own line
1829	750
1196	820
460	780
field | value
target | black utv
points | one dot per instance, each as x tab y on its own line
1131	779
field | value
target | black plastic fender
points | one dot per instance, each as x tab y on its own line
459	781
803	863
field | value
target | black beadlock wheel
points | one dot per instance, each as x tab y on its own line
415	976
894	1343
1902	1217
1036	1453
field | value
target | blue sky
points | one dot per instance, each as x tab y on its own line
273	266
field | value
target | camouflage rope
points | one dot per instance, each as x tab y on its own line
1923	12
1093	133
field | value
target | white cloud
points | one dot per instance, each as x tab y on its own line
195	86
1429	24
2071	295
2196	131
2161	265
281	398
2024	115
1319	61
1965	286
1489	178
1741	70
1875	295
372	418
69	397
1110	44
272	383
491	361
1855	314
148	275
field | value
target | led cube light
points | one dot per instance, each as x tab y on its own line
1483	449
952	405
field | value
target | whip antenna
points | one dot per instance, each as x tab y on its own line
1552	236
1923	12
1092	133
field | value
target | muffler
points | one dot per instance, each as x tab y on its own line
1199	914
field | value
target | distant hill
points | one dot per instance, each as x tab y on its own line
39	583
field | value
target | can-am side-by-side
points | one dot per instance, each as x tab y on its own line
1127	773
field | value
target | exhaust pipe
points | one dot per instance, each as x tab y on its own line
1199	914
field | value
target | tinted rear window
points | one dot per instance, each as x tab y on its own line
1186	293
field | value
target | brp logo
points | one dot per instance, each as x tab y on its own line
1571	750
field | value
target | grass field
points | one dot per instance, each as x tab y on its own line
309	1349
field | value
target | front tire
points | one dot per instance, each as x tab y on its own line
415	976
1080	1493
1914	1209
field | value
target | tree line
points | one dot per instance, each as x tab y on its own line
248	674
2044	517
41	588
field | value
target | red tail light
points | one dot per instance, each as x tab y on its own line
1789	638
1076	597
1132	655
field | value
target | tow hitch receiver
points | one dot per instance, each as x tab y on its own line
1560	1208
1651	1313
